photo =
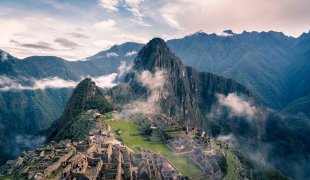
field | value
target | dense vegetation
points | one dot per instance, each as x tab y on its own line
276	67
85	96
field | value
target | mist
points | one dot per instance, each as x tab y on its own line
23	83
258	133
124	68
155	85
26	142
238	105
131	53
29	141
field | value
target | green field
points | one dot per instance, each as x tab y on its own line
186	167
132	136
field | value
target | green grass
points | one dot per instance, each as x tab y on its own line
185	166
132	137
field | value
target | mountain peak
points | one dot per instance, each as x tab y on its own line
85	96
85	90
155	55
157	43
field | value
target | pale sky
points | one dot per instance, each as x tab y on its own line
75	29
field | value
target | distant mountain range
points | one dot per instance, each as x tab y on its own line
273	66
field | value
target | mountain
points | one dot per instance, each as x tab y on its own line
102	63
227	110
273	65
26	112
184	83
195	97
85	96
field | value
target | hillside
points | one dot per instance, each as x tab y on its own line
86	96
195	97
273	65
26	112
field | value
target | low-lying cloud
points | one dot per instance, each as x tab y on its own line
130	53
107	81
112	54
28	141
124	68
230	139
155	84
238	105
8	83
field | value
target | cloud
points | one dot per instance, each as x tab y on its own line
155	84
237	105
124	68
214	16
127	21
110	5
134	7
38	45
4	56
8	83
27	141
78	35
230	139
107	81
105	24
112	54
67	43
140	22
131	53
168	13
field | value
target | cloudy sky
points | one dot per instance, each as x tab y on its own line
75	29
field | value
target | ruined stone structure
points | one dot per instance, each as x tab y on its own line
103	157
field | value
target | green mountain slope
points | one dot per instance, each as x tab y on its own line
85	96
193	96
270	63
26	112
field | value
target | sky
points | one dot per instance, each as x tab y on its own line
75	29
